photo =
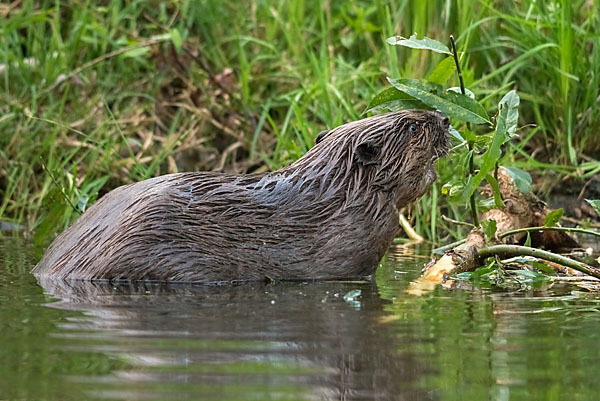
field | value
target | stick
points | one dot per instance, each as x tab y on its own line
568	229
517	250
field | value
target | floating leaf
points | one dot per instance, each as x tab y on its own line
393	100
451	104
443	71
553	217
521	178
595	204
414	43
541	266
528	276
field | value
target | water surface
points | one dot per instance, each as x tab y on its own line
292	341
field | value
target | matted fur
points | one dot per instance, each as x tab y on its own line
330	215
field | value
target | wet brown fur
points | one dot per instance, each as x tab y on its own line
330	215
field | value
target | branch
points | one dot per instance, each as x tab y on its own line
516	250
409	230
567	229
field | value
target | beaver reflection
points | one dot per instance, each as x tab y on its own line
252	341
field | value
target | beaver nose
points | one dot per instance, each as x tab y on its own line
445	122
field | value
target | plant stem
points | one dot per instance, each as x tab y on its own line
472	202
458	70
568	229
409	230
442	249
517	250
59	187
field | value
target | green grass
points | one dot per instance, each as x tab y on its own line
146	89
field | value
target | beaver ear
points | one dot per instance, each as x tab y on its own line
367	153
322	135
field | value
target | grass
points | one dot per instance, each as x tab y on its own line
93	97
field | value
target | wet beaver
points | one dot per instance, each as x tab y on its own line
332	214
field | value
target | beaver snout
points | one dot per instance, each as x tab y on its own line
445	122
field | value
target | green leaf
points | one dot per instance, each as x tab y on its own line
393	100
140	51
469	135
509	112
488	162
443	71
528	240
553	217
595	204
495	190
456	134
528	276
82	203
464	275
489	228
162	36
505	124
414	43
542	266
521	178
452	104
452	188
176	39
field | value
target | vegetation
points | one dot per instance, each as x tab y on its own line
92	97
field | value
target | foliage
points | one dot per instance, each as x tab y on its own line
463	109
104	95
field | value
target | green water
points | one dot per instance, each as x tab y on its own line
292	341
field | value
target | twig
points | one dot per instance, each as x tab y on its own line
60	188
409	230
106	56
460	223
579	222
442	249
567	229
517	250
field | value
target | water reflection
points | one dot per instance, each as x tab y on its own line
293	341
254	341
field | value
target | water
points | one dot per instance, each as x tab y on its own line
293	341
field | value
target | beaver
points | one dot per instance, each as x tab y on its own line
332	214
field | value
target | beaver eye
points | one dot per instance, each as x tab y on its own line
412	128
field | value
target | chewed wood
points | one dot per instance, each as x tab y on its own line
330	215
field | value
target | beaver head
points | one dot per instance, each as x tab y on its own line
388	157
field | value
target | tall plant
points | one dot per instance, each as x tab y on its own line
474	131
